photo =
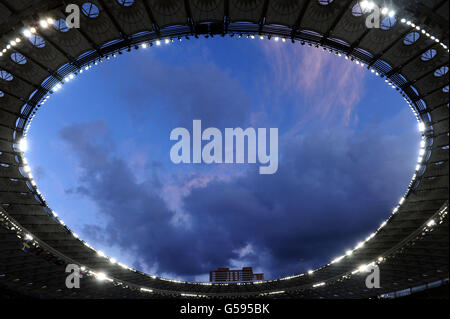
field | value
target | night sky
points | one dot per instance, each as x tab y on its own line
99	150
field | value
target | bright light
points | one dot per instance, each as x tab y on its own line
43	24
28	237
338	259
421	127
100	276
23	145
431	223
101	253
363	268
349	252
146	290
384	11
370	237
50	21
310	272
27	33
391	13
57	87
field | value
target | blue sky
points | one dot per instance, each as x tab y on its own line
99	150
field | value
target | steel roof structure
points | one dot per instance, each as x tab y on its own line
39	55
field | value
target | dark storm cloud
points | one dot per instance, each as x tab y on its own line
331	188
193	91
138	215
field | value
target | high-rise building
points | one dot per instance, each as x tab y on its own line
227	275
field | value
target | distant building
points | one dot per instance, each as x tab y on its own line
227	275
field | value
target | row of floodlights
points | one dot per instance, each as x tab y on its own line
429	225
365	5
424	32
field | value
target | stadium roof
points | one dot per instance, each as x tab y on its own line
38	54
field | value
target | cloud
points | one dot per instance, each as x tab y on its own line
332	87
138	217
192	91
330	189
327	192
